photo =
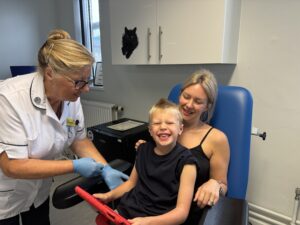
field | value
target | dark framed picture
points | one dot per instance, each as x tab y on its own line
98	78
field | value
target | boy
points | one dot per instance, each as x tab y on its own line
161	185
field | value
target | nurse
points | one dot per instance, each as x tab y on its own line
40	116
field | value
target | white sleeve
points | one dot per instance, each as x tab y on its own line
13	138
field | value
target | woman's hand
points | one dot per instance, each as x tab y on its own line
208	193
112	177
138	143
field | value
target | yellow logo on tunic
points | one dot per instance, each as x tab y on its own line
70	122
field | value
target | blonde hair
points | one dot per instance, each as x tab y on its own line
63	54
208	82
164	104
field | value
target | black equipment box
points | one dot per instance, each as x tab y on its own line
115	141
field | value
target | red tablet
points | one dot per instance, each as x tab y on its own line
106	213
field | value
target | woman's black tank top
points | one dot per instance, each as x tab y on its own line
203	171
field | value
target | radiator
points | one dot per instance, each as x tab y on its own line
98	112
262	216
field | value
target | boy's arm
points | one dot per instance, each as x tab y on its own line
185	195
120	190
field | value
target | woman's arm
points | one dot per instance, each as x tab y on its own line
39	168
209	192
86	148
219	162
33	168
179	214
120	190
138	143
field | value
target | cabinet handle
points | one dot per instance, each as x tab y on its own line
159	43
148	43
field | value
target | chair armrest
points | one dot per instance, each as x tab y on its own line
64	195
228	211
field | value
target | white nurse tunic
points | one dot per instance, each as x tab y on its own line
29	128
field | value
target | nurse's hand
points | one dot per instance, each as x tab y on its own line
113	178
87	167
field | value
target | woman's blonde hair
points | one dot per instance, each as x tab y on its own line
164	104
63	54
208	82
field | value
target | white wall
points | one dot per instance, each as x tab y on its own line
24	27
67	19
269	53
268	65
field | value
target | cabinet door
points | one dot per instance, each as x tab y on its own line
133	13
182	32
192	31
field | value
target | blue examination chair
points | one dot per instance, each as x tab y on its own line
233	115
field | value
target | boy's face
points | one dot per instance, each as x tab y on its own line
165	128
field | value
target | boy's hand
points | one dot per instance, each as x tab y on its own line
104	197
140	220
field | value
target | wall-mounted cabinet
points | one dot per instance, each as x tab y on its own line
176	31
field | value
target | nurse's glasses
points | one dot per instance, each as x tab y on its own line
79	84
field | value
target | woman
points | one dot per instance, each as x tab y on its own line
209	145
41	115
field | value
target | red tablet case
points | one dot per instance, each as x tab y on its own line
106	213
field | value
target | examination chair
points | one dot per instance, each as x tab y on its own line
21	70
233	115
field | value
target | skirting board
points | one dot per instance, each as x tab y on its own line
262	216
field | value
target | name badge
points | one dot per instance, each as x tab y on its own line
71	122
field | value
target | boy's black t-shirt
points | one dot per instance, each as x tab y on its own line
158	181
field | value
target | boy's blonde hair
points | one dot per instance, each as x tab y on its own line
164	104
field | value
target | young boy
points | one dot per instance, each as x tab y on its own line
161	185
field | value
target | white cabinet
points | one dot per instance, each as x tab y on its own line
176	31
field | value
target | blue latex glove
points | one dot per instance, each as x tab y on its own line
87	167
112	177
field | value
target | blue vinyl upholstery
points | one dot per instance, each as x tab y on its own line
233	115
20	70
